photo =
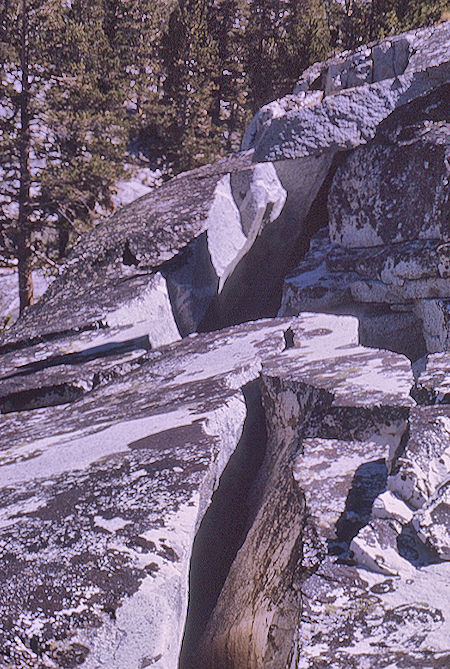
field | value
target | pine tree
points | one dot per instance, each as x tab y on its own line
283	38
360	21
24	51
230	110
134	30
86	115
62	125
305	39
190	60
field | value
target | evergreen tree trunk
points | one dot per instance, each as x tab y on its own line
24	242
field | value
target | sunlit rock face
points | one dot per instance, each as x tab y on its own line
339	103
102	495
273	494
177	259
386	255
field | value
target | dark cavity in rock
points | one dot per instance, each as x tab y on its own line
224	527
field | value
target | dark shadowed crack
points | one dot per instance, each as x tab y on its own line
224	527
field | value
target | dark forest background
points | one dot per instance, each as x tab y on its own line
88	86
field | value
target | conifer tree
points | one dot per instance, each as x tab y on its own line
230	110
23	64
62	133
283	38
134	30
360	21
190	59
305	39
86	115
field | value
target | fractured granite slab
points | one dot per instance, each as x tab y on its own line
101	500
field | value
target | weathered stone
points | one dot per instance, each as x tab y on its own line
254	621
403	267
395	189
49	374
330	280
389	608
255	618
117	274
312	286
280	467
393	264
101	501
393	329
389	506
420	289
432	522
178	263
304	124
433	383
435	316
375	547
426	462
262	267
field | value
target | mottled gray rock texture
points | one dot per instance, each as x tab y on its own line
273	495
395	189
101	500
327	381
433	382
178	258
338	104
386	257
379	594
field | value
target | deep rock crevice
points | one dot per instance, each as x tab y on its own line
291	469
224	526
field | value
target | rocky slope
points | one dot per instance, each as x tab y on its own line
276	493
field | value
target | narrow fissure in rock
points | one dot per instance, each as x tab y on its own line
224	526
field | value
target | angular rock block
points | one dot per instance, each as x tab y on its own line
395	189
338	104
433	383
258	612
102	498
425	465
435	316
432	522
380	595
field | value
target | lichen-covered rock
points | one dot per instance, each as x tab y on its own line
435	316
338	104
433	383
426	462
178	258
395	189
328	280
386	257
432	522
102	498
318	381
117	275
255	282
380	596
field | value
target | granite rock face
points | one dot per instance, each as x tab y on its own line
321	383
385	258
338	104
395	189
101	500
177	259
379	595
275	494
